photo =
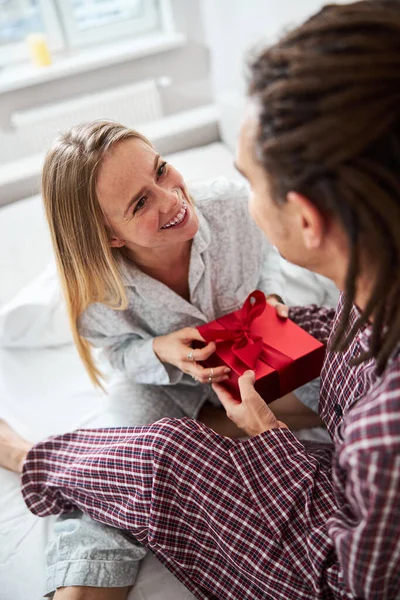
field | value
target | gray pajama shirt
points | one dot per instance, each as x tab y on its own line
229	259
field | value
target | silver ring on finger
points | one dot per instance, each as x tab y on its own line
190	355
210	377
194	377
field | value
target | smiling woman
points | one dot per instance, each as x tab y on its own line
143	260
142	197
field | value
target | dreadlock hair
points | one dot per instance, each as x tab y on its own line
329	129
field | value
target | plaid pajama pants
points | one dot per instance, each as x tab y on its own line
190	496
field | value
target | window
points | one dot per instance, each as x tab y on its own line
73	23
91	21
19	18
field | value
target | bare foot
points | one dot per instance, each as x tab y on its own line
13	448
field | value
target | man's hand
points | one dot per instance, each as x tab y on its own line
281	308
251	413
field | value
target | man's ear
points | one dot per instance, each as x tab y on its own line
311	221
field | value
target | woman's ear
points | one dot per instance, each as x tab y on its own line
116	242
309	218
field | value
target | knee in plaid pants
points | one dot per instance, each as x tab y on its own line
175	487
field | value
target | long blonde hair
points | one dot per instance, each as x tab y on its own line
87	265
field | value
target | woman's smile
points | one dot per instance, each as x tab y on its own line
179	218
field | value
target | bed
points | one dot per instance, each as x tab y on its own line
45	390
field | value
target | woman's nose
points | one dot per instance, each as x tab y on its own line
168	200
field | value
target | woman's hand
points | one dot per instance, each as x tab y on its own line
175	349
251	413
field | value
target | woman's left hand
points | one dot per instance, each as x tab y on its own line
251	413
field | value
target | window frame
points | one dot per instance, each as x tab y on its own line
76	38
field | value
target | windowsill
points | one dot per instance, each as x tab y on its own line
195	127
25	75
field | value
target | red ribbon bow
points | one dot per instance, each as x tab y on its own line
247	347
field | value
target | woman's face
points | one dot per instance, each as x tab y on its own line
143	198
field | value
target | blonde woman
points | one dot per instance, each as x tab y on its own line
143	260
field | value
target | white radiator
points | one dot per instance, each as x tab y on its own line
35	129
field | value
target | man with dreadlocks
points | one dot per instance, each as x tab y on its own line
269	516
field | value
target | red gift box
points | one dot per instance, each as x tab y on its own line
282	355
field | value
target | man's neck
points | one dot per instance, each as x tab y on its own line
364	287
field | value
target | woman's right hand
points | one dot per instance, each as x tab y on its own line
175	348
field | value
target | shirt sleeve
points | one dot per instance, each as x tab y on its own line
292	491
316	320
366	531
136	358
130	353
352	540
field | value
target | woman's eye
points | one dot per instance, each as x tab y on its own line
161	169
140	204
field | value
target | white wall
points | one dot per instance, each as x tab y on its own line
234	27
187	67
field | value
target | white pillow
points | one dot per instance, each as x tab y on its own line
25	245
36	317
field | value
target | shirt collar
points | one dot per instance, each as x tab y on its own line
364	333
202	239
130	273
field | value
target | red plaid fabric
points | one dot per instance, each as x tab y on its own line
268	517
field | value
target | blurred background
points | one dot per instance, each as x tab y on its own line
137	61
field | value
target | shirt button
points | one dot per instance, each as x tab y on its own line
338	410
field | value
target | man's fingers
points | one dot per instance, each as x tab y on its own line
281	308
226	398
246	384
274	299
282	311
